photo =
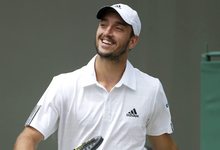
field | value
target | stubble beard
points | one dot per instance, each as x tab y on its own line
113	56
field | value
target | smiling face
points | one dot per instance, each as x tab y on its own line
114	37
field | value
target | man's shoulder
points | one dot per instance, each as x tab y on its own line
146	82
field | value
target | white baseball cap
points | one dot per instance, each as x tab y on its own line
128	14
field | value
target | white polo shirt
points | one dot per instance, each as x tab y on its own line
80	108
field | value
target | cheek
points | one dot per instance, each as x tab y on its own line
124	40
98	33
97	37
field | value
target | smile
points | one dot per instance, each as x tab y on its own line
107	42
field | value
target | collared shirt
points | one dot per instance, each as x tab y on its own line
80	108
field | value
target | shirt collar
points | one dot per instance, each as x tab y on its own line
88	74
128	78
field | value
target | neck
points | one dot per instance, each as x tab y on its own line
109	72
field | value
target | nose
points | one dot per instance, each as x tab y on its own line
108	31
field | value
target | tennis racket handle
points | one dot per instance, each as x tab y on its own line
91	144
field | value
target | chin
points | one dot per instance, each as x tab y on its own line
103	54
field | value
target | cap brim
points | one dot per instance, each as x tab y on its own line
103	11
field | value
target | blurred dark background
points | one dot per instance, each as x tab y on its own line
40	39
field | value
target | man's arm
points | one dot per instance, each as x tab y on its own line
28	139
162	142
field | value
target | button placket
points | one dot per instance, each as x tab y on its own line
107	108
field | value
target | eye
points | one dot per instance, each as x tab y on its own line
119	28
102	24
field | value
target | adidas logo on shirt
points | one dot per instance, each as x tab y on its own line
132	113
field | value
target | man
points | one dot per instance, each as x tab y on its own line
108	97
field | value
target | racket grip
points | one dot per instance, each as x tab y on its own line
91	144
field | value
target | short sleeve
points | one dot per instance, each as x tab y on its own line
44	116
160	120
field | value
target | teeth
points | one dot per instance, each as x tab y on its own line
106	42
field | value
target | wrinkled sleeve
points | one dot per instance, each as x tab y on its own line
160	121
45	115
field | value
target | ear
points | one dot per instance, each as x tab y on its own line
133	41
